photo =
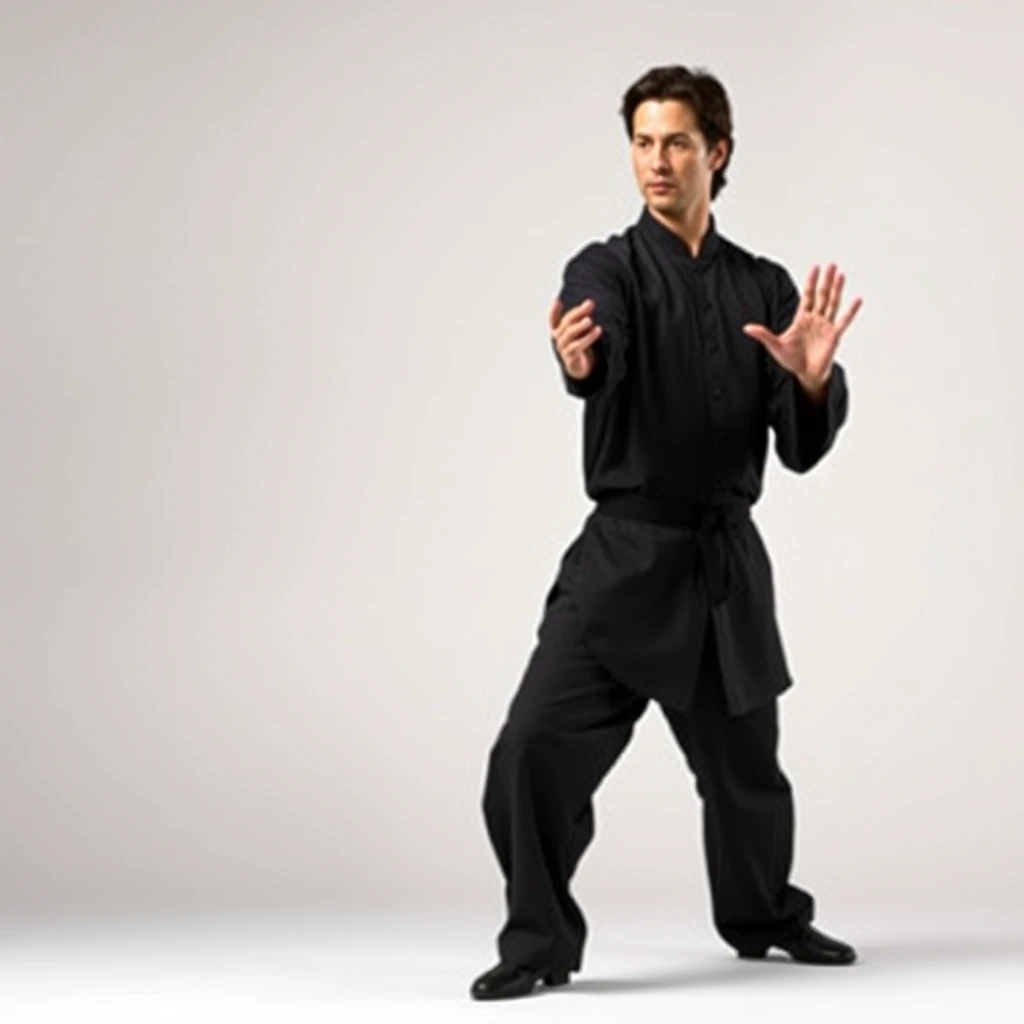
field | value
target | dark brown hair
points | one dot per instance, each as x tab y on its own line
702	91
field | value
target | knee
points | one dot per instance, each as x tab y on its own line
524	737
519	756
743	783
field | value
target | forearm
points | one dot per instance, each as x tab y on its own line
806	415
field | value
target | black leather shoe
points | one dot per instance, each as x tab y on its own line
507	980
808	946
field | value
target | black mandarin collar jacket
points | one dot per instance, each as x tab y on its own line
678	410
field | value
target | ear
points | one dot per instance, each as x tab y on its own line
720	154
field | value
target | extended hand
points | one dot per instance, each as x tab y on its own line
573	336
808	346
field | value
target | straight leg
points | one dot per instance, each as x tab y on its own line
748	814
566	726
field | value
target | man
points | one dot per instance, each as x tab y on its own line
685	349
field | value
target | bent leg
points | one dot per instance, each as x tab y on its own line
748	813
566	726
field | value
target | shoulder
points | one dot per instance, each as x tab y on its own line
770	274
608	258
605	263
772	280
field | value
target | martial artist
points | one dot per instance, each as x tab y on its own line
685	349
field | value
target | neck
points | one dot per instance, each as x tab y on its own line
690	224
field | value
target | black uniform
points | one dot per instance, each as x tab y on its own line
666	593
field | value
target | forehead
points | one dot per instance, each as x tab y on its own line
663	117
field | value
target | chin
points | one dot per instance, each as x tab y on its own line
662	202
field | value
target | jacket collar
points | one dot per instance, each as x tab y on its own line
656	232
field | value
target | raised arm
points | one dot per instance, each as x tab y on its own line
806	393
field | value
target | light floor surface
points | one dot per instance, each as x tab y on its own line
390	966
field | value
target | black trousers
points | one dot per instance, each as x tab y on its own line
566	726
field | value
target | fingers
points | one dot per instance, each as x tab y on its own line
586	306
555	311
574	335
834	297
848	317
574	348
826	300
575	331
556	320
807	296
815	299
821	300
831	296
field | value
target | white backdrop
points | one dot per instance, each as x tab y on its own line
287	466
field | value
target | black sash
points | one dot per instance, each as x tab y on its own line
710	521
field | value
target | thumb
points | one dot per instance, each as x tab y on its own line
762	334
765	338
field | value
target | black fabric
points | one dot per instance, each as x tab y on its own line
678	410
566	726
666	592
709	523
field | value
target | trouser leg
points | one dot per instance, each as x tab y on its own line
566	726
748	814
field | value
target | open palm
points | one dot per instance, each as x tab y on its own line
808	346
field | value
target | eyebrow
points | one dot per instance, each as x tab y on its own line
669	135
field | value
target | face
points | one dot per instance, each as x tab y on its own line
669	148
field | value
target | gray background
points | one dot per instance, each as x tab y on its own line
287	466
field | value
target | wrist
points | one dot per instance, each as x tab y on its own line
815	388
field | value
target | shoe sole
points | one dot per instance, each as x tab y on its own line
760	954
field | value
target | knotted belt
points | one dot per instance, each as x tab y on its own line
710	521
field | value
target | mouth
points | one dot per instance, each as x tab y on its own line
659	186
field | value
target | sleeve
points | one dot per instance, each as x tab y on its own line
594	273
804	431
